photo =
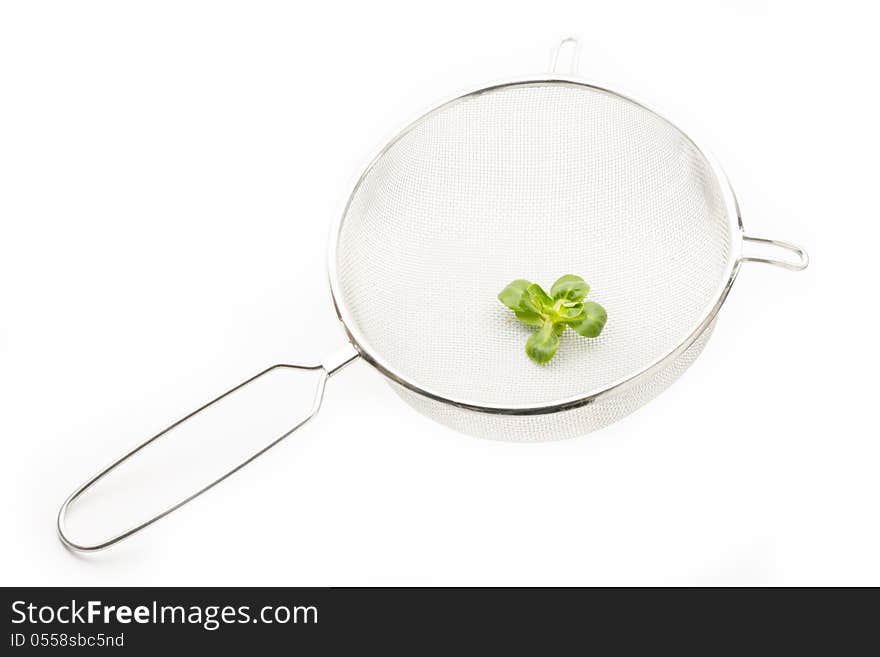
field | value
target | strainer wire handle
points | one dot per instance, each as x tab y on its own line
327	368
792	265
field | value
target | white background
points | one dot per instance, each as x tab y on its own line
168	175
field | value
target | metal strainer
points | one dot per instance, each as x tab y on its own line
530	178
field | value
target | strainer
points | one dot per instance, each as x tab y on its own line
533	178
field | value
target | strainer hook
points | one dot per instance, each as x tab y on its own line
792	265
569	44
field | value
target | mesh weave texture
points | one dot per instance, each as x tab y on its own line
561	424
532	181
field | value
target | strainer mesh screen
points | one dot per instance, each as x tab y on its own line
531	181
562	424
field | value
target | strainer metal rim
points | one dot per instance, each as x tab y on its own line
373	357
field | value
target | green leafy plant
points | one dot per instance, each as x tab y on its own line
552	313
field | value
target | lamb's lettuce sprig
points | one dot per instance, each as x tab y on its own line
552	313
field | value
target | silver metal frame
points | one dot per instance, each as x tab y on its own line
359	346
327	368
62	512
736	258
